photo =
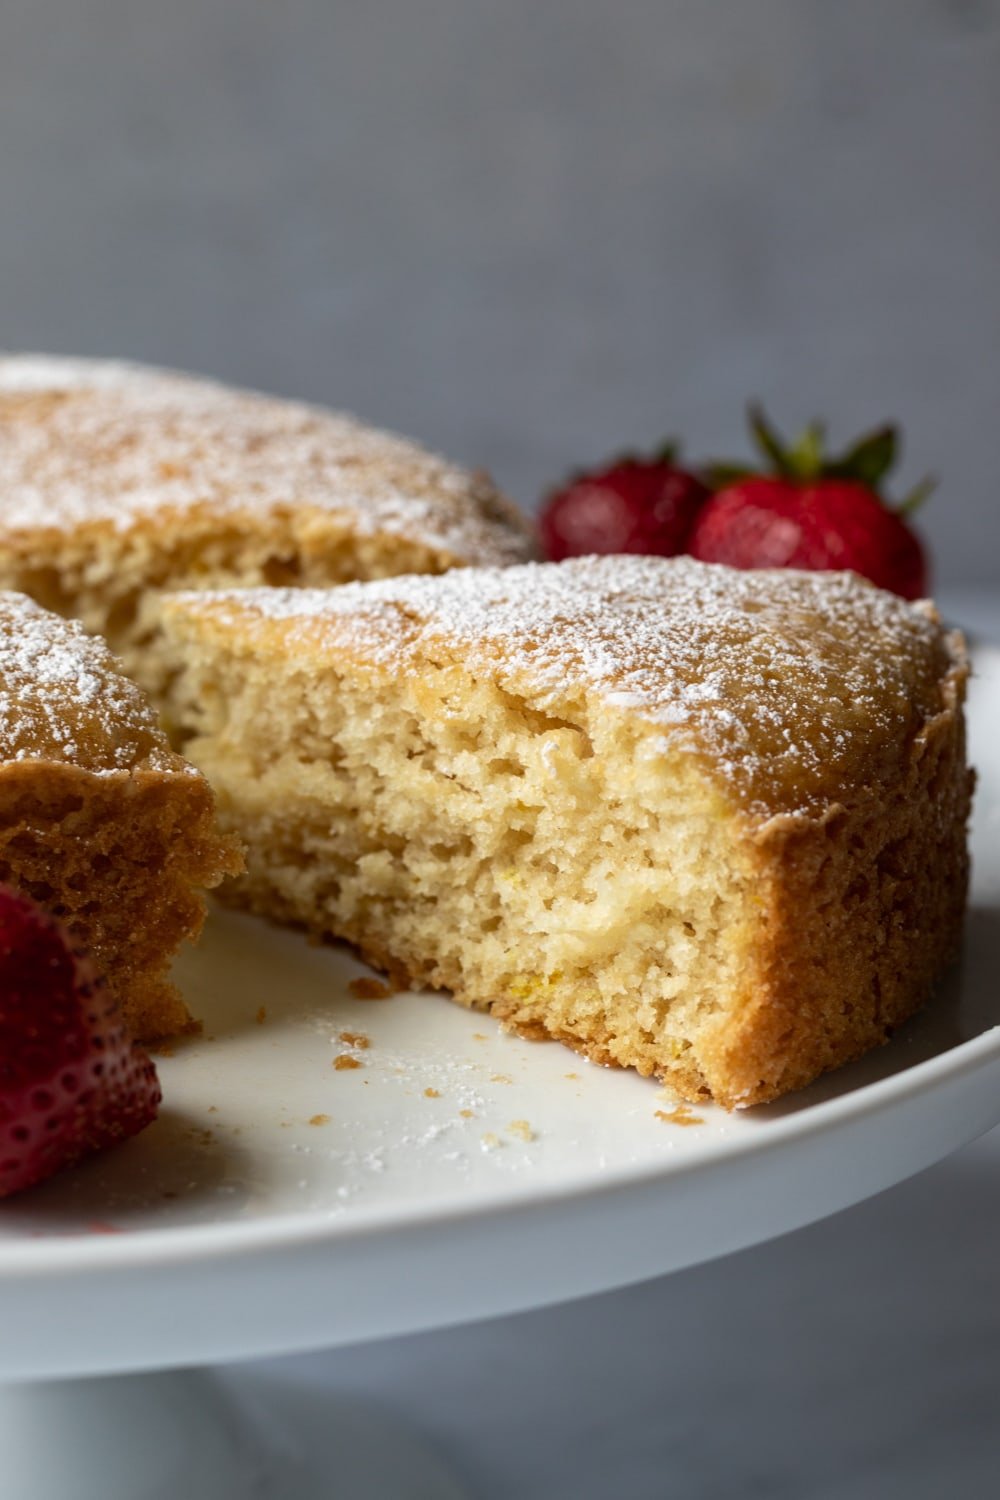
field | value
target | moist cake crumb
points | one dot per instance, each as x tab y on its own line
364	988
682	1115
356	1039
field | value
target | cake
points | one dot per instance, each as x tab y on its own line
119	481
100	821
704	823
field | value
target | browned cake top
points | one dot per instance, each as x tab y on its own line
792	686
91	441
63	698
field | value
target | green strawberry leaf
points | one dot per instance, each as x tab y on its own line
869	459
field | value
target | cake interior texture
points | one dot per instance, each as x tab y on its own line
112	581
471	811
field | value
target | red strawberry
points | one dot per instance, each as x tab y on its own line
814	512
71	1081
634	505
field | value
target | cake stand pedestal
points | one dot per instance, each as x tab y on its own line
189	1433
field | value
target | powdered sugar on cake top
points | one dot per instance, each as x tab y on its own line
63	699
791	682
99	441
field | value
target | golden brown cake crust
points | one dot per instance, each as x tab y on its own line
64	699
100	820
99	448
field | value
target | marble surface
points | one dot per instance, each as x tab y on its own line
858	1359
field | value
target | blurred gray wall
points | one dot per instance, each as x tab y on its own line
527	232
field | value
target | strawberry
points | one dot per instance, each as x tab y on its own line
633	505
71	1081
815	512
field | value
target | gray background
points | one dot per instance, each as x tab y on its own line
529	232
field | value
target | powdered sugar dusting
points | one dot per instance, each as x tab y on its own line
91	441
790	683
62	698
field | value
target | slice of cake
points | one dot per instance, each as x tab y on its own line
100	822
706	823
118	481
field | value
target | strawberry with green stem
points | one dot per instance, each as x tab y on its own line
812	511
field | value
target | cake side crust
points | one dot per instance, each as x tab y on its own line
864	908
122	858
100	820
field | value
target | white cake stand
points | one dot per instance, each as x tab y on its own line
442	1172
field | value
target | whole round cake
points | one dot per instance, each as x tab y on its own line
119	481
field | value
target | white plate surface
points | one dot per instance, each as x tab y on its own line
284	1202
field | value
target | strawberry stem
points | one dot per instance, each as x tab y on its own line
867	461
915	498
806	453
769	440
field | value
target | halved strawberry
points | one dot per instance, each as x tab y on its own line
71	1080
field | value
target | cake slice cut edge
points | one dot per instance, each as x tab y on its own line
101	822
704	824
